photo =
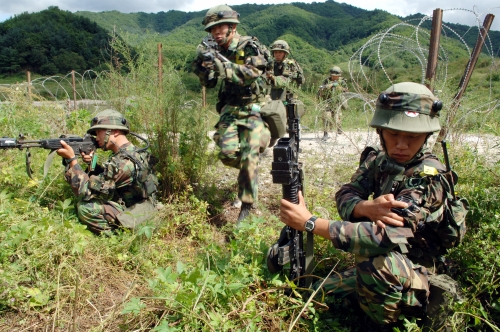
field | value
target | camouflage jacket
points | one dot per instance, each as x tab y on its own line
116	180
422	183
286	73
242	77
329	89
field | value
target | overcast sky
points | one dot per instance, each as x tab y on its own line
456	11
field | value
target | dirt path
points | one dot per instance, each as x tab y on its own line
322	160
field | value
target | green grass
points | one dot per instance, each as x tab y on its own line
189	269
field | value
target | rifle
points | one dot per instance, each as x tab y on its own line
287	170
211	47
449	173
85	144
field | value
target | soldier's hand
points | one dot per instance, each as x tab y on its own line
66	151
379	210
87	158
294	215
269	75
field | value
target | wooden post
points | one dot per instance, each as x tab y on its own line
467	75
28	73
73	85
437	22
160	67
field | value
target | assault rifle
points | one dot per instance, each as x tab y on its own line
211	50
287	170
85	144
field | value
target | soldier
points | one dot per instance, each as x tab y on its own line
398	238
331	92
125	180
285	73
241	134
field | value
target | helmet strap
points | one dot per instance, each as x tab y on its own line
417	155
106	140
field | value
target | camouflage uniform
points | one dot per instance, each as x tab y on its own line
241	133
286	72
390	277
109	189
331	93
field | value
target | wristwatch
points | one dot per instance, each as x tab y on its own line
310	224
70	160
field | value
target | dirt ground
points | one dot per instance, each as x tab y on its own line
321	157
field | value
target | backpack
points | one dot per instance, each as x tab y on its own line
452	228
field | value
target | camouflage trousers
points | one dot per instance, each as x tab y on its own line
99	216
386	286
241	136
332	119
332	116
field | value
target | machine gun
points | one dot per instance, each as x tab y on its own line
287	170
85	144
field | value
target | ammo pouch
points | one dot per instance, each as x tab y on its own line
274	114
136	214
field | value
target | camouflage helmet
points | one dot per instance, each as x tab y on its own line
280	45
220	14
108	119
335	70
409	107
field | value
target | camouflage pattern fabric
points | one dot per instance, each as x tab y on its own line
107	191
286	73
241	133
331	93
241	138
389	283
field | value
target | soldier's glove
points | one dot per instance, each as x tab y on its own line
219	68
207	56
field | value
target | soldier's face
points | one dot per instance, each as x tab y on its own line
99	136
279	55
402	146
222	34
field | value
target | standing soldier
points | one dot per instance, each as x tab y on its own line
125	181
331	92
241	134
286	73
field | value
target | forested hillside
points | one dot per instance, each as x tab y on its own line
49	42
55	41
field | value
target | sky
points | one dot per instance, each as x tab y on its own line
455	11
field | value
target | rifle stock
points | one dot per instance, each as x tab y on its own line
287	170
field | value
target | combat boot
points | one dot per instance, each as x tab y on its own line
443	292
244	212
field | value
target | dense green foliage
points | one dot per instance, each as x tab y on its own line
49	42
54	41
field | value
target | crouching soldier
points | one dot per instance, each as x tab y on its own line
121	192
399	237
